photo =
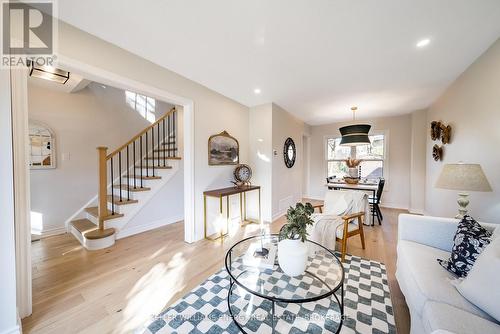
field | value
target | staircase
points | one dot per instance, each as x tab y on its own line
128	177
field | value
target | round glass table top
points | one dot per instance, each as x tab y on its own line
262	275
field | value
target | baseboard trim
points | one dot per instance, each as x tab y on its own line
49	233
147	227
416	211
14	330
393	206
278	215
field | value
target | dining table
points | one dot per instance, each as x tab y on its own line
361	186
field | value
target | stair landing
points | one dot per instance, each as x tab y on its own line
91	236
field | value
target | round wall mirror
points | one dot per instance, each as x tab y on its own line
289	152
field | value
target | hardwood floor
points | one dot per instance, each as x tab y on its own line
117	290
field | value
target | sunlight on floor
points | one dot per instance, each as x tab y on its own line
77	248
158	252
36	219
151	293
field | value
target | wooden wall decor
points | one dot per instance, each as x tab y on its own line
437	152
445	134
435	130
440	131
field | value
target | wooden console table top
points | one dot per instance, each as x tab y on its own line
229	191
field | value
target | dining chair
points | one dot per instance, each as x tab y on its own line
331	179
375	201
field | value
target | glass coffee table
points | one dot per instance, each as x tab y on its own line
265	299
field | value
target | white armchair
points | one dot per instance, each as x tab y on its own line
340	217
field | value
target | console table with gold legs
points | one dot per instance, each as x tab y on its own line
226	192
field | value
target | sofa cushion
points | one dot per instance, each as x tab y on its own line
480	286
422	279
441	316
469	241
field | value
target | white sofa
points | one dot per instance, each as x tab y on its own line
435	304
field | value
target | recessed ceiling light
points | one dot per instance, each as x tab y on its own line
423	42
256	91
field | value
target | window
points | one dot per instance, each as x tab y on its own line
372	156
144	105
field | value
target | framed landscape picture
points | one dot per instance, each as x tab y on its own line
223	149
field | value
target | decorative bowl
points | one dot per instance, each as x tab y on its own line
351	180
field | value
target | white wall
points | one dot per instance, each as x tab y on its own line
286	182
82	121
397	172
471	105
261	154
8	314
419	134
213	112
270	125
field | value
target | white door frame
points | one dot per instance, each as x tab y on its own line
112	79
20	117
19	94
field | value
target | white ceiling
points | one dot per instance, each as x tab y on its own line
313	58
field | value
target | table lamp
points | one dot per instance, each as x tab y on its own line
463	177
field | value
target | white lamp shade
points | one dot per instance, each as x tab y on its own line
463	177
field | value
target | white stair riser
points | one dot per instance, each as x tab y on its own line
106	222
145	183
157	171
123	209
93	244
136	195
92	218
155	161
133	194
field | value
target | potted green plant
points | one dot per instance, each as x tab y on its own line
292	247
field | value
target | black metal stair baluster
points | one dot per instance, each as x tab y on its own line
120	172
140	156
163	148
168	136
147	155
153	148
112	191
175	136
128	175
158	143
135	167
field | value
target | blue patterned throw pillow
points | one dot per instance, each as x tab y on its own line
470	240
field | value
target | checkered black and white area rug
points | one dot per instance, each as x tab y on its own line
367	307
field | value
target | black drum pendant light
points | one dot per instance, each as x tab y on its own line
356	134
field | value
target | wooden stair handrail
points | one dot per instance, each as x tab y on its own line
115	152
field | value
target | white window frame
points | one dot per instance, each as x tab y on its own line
385	159
148	111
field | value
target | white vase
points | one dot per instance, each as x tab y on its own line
292	256
353	172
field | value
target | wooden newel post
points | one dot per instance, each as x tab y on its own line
103	185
